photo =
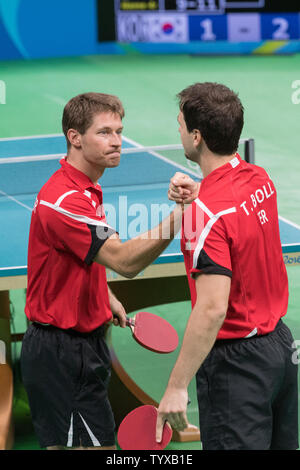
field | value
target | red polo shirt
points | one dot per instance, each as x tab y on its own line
68	227
232	229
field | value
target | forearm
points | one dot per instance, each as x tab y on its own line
199	338
117	309
200	334
141	251
132	256
111	295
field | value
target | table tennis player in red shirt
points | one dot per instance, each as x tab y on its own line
235	341
65	361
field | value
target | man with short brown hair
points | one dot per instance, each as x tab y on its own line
79	111
65	360
235	341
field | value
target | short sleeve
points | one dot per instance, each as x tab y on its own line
74	226
212	251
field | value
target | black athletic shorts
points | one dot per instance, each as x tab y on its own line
248	393
66	375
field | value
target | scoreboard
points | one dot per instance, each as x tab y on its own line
185	21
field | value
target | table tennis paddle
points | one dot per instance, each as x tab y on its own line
137	431
153	332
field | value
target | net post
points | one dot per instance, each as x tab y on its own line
249	151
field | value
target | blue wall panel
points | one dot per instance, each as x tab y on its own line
48	28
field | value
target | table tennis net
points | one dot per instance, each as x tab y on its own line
139	166
174	155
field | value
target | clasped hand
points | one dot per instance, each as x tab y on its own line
183	189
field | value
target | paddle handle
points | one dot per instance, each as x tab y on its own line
129	321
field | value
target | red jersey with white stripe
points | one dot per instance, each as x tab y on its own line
68	227
232	229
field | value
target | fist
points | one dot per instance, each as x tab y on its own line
183	189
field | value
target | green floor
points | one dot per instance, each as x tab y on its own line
37	91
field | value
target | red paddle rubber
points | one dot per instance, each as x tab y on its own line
137	431
155	333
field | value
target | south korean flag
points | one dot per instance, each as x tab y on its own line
167	28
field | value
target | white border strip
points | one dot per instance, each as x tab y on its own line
252	333
70	433
289	223
32	158
15	200
11	268
62	197
28	137
78	217
93	438
130	150
290	244
205	232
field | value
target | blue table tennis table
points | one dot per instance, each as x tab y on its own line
135	196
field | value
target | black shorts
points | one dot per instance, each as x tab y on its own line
66	375
248	393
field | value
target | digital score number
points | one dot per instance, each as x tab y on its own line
185	21
241	27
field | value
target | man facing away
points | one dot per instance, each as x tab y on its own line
235	341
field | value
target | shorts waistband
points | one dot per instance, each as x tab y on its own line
100	331
219	342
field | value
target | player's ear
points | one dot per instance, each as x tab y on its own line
196	137
74	138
